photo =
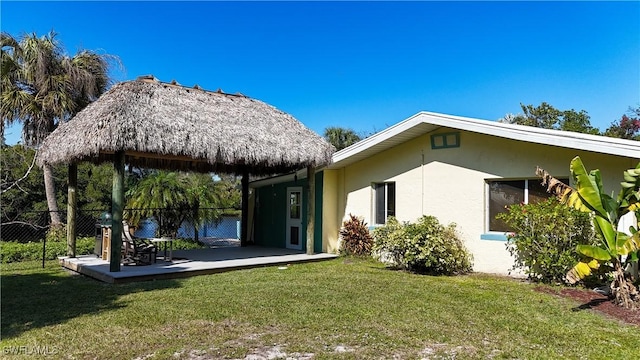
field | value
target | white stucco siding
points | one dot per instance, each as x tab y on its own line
450	183
401	164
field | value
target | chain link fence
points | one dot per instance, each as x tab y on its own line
198	224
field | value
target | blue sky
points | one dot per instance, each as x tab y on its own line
366	65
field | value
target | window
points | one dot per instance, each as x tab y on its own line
446	140
384	201
503	193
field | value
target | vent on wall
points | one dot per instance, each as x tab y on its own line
445	140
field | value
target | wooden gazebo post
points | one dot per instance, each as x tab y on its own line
311	207
71	210
244	226
117	207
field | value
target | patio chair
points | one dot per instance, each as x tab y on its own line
135	250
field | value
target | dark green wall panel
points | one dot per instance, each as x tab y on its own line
271	212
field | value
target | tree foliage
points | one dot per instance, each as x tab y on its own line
548	117
341	137
23	196
42	86
616	248
628	127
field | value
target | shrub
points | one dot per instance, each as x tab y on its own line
389	242
545	237
57	233
356	238
425	247
14	251
187	244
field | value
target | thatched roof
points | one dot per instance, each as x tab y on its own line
168	126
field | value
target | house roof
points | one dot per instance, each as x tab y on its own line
169	126
425	122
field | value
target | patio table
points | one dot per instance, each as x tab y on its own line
165	240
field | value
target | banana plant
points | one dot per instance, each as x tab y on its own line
617	247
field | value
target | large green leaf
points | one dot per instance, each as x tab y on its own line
588	186
594	252
605	228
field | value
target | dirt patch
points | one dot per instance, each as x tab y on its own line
589	299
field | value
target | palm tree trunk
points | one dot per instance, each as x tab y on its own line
623	290
50	191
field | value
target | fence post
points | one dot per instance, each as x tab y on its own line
44	250
245	207
71	210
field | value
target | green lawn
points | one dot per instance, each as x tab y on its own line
333	309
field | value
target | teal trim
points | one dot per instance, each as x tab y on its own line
494	236
445	140
317	230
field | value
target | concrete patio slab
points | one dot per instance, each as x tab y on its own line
190	263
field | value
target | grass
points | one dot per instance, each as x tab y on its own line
343	308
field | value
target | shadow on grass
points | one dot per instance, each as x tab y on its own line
32	299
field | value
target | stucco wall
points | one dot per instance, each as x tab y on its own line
333	209
450	183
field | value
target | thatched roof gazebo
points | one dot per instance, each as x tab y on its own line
151	124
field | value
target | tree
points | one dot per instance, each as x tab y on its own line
616	247
24	201
154	193
544	116
21	190
340	137
42	86
203	199
577	122
96	183
547	117
628	127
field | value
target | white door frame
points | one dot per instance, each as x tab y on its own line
294	222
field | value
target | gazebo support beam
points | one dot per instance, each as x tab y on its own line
117	208
244	226
311	207
71	210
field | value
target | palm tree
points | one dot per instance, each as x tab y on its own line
160	195
42	86
204	199
340	138
172	197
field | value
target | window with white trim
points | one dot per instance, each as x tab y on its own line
384	202
502	193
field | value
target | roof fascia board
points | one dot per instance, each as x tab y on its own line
565	139
375	139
